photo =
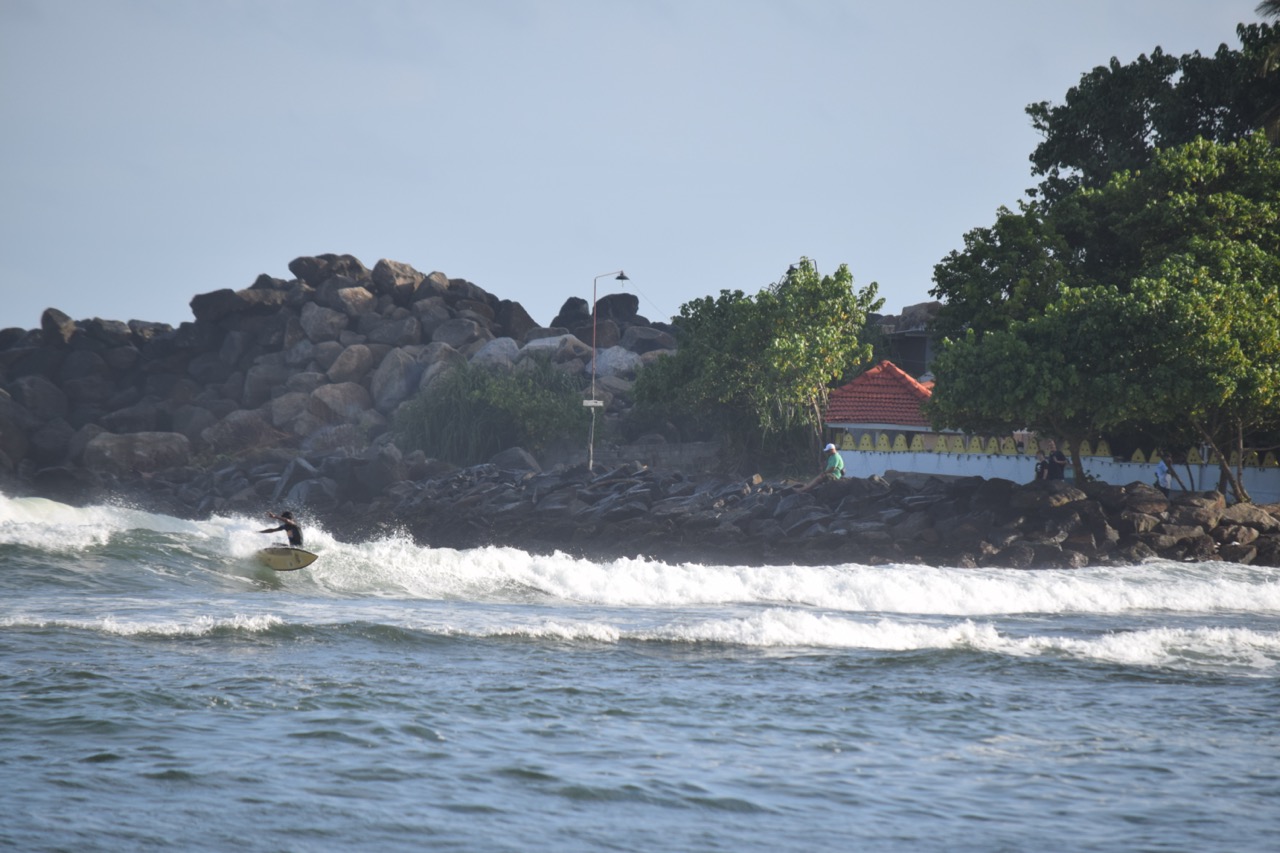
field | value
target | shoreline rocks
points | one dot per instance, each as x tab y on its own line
281	395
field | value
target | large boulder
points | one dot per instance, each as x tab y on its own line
561	348
50	443
617	361
397	279
341	402
320	323
621	308
212	307
261	382
355	301
402	332
437	360
499	354
643	339
316	270
458	333
1252	516
239	431
140	452
40	397
512	320
431	313
352	365
56	327
395	379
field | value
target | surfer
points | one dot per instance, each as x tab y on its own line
288	525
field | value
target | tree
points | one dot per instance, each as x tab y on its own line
1174	320
1007	272
1118	115
765	364
1054	373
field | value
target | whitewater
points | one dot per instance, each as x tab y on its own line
159	688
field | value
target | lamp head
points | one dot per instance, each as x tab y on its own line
621	276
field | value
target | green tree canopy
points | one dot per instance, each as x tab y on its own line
1118	115
764	364
1167	312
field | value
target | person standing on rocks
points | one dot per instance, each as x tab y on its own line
288	525
1055	463
1165	474
1042	467
832	470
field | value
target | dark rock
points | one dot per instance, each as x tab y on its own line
316	270
58	328
1250	515
40	397
139	452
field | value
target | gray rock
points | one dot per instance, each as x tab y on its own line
50	444
1249	515
40	397
499	354
642	339
339	403
355	301
515	459
457	333
617	361
142	452
394	380
286	408
352	365
397	333
57	327
562	348
261	382
240	431
399	280
321	324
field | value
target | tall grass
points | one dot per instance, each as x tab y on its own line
471	413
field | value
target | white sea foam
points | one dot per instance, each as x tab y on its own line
785	628
398	567
57	527
196	626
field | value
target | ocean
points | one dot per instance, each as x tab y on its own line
160	690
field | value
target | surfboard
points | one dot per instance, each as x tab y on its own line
286	559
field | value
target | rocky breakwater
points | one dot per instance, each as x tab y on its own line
280	393
632	510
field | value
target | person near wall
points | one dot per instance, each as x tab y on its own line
1055	463
832	469
1165	474
1042	467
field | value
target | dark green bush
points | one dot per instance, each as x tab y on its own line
472	413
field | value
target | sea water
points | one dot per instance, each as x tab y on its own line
160	690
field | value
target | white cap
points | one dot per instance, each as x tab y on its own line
828	447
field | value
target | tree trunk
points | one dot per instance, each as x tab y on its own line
1224	466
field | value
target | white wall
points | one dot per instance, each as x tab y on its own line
1263	484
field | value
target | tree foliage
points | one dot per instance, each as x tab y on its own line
762	366
1118	115
1147	296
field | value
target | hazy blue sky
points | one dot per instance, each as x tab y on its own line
156	149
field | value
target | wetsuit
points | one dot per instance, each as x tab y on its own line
291	528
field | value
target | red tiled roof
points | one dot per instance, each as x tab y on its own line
882	395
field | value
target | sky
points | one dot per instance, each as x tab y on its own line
152	150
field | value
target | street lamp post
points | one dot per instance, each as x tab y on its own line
594	404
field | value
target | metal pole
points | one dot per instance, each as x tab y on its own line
593	403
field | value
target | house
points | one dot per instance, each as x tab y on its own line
881	410
878	424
